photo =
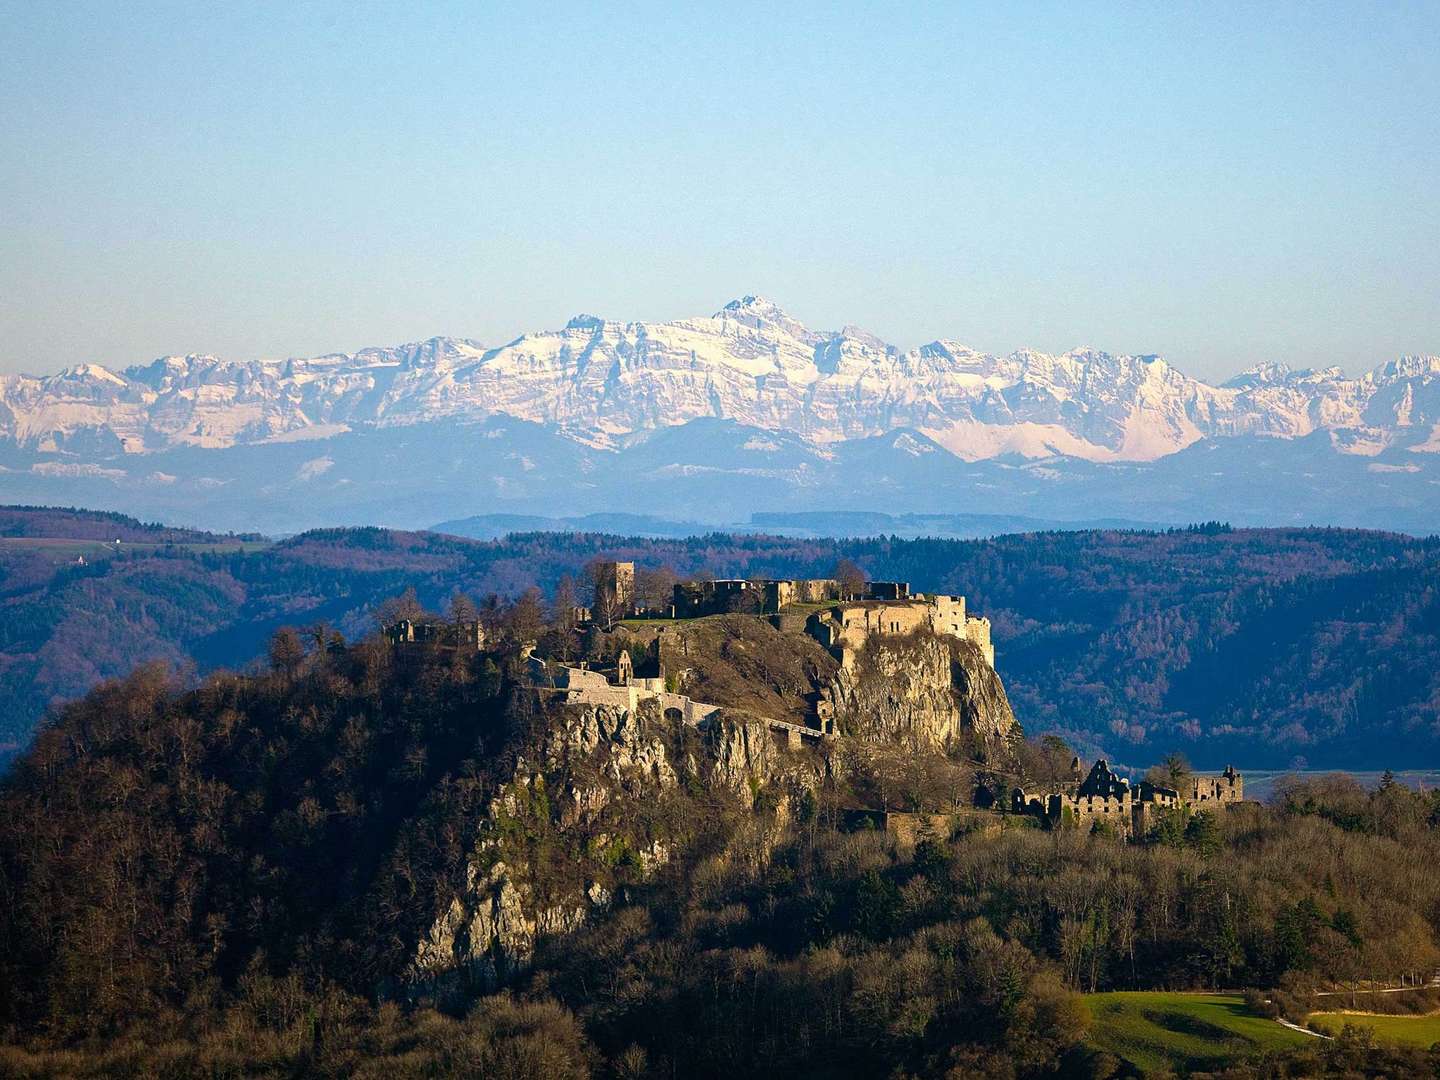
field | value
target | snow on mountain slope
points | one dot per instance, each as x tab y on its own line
602	383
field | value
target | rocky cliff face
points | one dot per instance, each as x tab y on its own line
605	804
984	707
609	796
925	693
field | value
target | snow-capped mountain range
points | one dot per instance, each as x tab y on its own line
603	384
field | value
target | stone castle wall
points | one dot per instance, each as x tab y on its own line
585	687
582	686
1228	787
846	628
1130	810
977	629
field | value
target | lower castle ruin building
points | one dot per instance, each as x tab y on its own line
466	635
1130	809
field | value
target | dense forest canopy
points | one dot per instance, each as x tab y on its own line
229	879
1257	646
53	522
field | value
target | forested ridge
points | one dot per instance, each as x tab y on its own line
1252	646
229	879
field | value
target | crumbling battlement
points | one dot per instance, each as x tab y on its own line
581	686
1228	787
468	635
720	596
845	628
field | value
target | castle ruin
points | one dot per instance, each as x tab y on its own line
843	625
465	636
1131	810
845	628
614	589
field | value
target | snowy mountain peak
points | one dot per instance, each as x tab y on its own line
1264	374
585	322
1409	366
759	313
607	383
90	372
753	304
851	332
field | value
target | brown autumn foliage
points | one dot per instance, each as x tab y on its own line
222	879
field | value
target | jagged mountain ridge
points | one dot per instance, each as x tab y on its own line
604	383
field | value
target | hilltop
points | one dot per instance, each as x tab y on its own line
433	853
70	523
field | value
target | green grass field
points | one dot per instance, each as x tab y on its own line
1421	1031
1154	1030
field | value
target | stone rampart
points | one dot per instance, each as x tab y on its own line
846	628
584	687
909	828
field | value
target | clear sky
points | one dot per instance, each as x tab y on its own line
1224	184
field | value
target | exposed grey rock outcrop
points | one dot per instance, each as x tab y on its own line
597	768
590	758
923	692
601	800
984	706
744	752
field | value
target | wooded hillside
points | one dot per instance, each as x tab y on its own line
1257	646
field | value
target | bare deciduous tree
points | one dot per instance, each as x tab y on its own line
851	579
654	587
286	650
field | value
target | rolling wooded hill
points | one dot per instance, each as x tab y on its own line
1257	646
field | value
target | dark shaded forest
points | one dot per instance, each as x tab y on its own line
1252	646
228	880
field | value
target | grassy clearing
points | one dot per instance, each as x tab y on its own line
1156	1031
1422	1031
637	623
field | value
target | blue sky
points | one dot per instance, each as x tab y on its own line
1225	185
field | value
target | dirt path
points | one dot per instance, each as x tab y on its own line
1431	985
1302	1030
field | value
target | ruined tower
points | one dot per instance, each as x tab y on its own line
614	589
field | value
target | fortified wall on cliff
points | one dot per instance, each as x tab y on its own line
789	689
846	628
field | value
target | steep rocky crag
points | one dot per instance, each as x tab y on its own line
925	693
611	796
608	796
